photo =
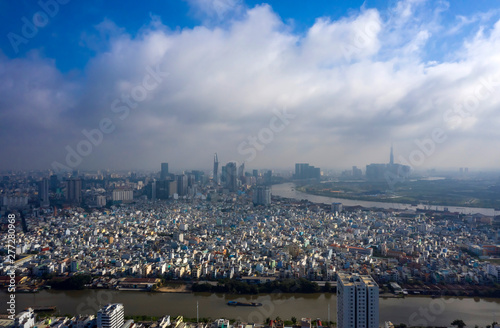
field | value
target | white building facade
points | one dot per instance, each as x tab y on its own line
111	316
357	301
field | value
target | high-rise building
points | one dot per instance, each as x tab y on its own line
356	173
100	201
216	169
262	195
43	192
268	176
336	207
123	195
153	190
357	301
182	184
305	171
388	172
74	190
54	183
198	176
241	171
162	189
164	171
111	316
231	176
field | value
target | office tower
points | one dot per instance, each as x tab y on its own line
153	190
223	175
43	192
123	195
164	171
216	169
182	184
305	171
357	301
198	176
74	191
255	173
110	316
241	171
268	176
387	172
336	207
231	176
54	183
356	173
162	189
100	201
262	195
190	179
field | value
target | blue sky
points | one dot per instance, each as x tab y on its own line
61	38
356	74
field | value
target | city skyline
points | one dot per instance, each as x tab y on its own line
262	83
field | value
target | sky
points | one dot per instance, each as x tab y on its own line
127	85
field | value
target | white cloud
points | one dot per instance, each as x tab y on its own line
355	84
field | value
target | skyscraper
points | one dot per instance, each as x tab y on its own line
231	176
74	190
54	183
216	169
389	172
110	316
182	184
43	192
262	195
357	301
391	159
306	171
241	171
164	171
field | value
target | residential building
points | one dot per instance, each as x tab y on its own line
110	316
357	301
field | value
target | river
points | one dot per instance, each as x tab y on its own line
288	190
410	310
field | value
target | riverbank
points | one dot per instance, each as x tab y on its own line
288	190
169	289
286	286
430	193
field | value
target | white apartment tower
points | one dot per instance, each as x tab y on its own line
111	316
357	301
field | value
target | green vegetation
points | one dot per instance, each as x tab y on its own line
232	286
72	283
448	192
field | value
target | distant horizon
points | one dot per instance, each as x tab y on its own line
291	169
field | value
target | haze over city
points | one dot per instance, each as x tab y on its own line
333	84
